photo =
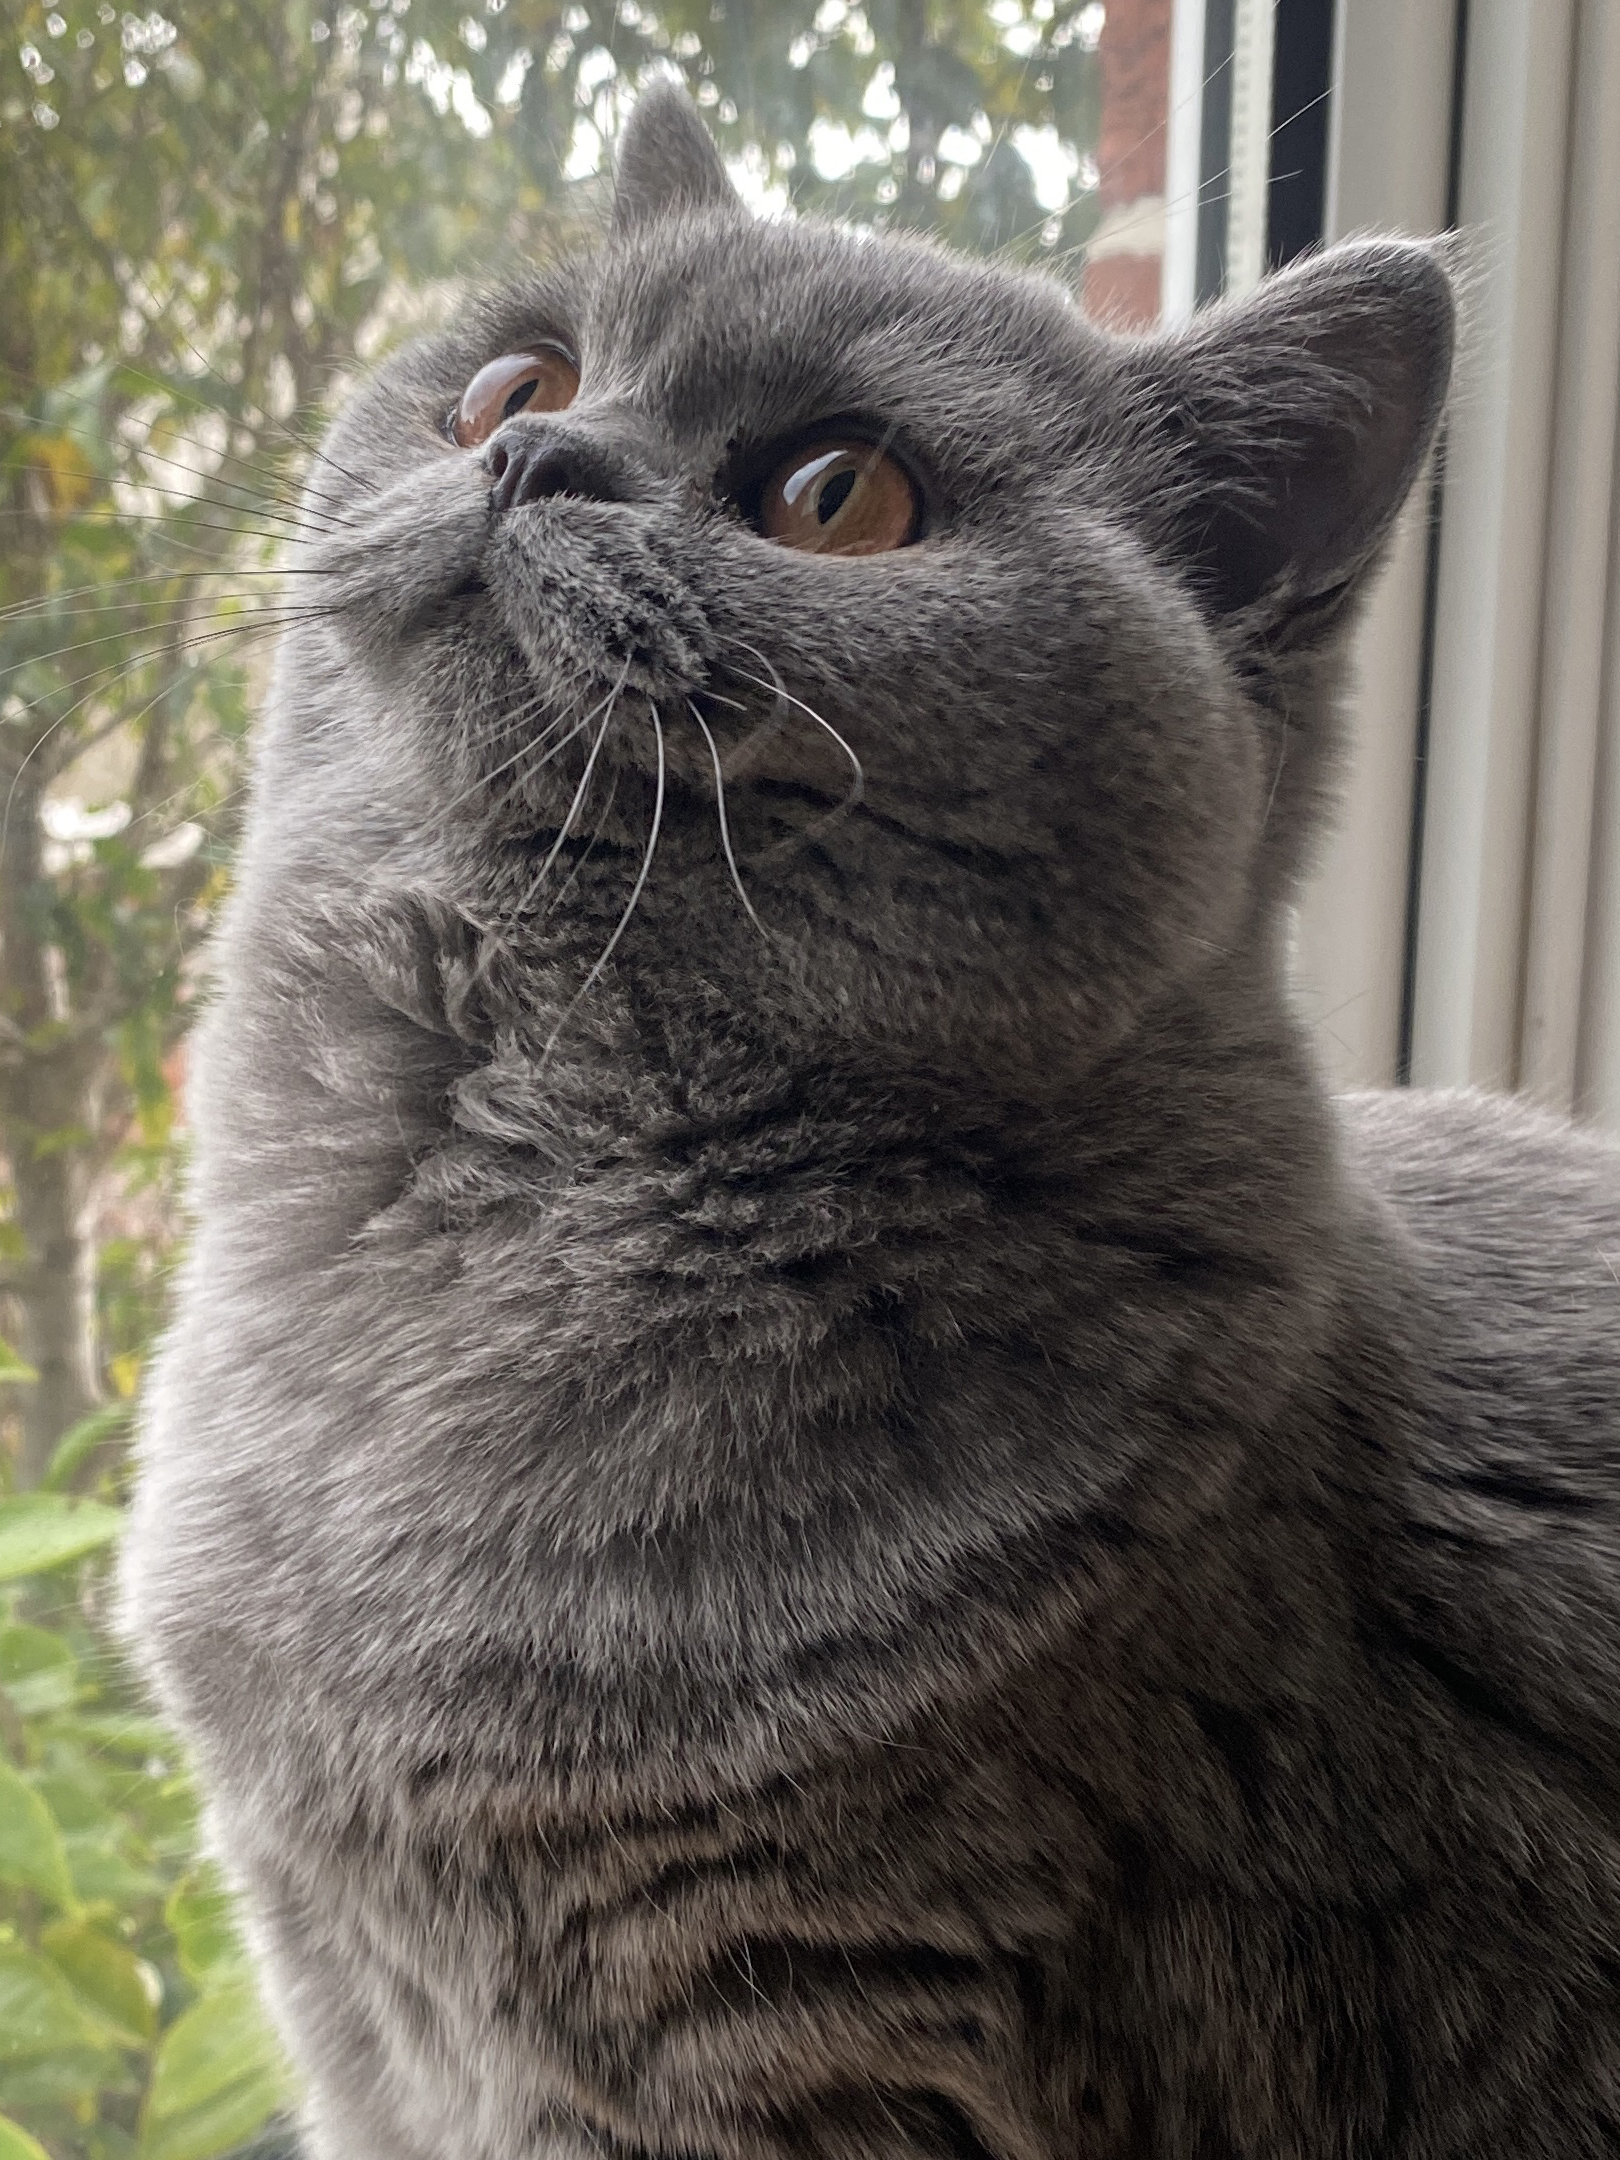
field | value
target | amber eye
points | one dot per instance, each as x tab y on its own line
544	380
835	496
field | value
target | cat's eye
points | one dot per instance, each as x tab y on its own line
836	495
543	379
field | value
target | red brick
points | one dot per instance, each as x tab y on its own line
1134	57
1123	291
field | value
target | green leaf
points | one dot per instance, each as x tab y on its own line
200	1916
81	1441
111	2141
39	2013
62	1140
217	2078
13	1367
16	2144
73	2078
124	1988
31	1850
74	1787
37	1670
39	1531
218	2125
102	1872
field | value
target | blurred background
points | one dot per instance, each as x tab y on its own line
210	216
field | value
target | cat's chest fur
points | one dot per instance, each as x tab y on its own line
702	1419
855	1587
1152	1884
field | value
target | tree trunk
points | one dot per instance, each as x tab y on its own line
47	1107
57	1297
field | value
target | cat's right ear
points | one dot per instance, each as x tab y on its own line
667	162
1287	428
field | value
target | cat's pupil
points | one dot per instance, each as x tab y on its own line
520	397
834	496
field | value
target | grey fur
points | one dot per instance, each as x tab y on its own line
888	1538
666	164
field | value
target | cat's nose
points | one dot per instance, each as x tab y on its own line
526	463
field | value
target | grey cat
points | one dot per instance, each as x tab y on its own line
807	1502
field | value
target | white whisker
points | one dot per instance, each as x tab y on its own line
580	792
274	613
636	890
725	829
583	789
253	631
568	883
857	792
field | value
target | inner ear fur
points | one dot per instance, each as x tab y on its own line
667	162
1287	428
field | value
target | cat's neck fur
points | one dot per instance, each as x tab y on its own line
953	1326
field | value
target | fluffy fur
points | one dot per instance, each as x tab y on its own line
876	1534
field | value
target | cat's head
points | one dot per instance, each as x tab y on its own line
983	658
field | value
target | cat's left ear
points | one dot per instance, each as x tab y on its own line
1286	429
667	162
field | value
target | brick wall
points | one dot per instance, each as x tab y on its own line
1124	260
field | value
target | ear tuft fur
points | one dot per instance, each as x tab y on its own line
667	162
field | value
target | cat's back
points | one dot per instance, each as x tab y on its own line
1502	1297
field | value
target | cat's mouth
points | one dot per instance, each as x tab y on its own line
583	643
589	593
603	603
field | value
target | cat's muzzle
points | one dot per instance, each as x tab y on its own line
603	593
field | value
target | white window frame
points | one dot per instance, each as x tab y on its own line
1388	161
1463	925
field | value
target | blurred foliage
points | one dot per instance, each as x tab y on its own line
128	2020
208	215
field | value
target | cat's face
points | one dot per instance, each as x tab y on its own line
1000	767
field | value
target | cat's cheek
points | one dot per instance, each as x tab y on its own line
400	556
1064	782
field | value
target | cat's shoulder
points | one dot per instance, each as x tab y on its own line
1498	1281
1505	1223
1492	1195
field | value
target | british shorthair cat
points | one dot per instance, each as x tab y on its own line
806	1500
